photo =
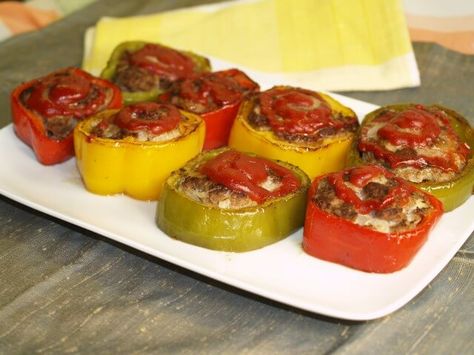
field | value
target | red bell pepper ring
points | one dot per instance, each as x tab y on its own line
339	240
216	97
218	125
69	94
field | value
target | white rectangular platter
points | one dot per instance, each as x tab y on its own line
281	272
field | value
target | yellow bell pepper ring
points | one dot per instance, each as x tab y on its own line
305	128
133	150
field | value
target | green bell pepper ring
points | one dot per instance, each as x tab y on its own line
451	193
230	229
169	63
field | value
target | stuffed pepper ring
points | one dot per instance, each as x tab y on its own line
305	128
430	146
216	97
368	219
133	150
233	201
144	70
46	110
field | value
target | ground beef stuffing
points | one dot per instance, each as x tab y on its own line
392	214
392	218
445	147
200	188
59	127
257	120
110	130
55	127
133	79
261	123
374	190
326	199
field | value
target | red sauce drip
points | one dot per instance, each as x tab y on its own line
240	172
163	61
66	93
413	127
297	111
148	116
360	177
217	89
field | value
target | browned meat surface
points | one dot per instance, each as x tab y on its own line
374	190
109	131
136	79
393	214
261	123
392	218
200	188
59	127
446	146
133	79
326	199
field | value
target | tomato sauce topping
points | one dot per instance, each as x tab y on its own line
240	172
414	127
163	61
217	89
149	116
297	111
66	93
360	177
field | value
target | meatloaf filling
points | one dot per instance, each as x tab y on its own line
144	122
209	92
398	215
344	125
200	188
132	78
409	150
196	185
58	126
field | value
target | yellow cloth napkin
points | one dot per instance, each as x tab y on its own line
317	44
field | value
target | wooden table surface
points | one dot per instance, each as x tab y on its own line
64	289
